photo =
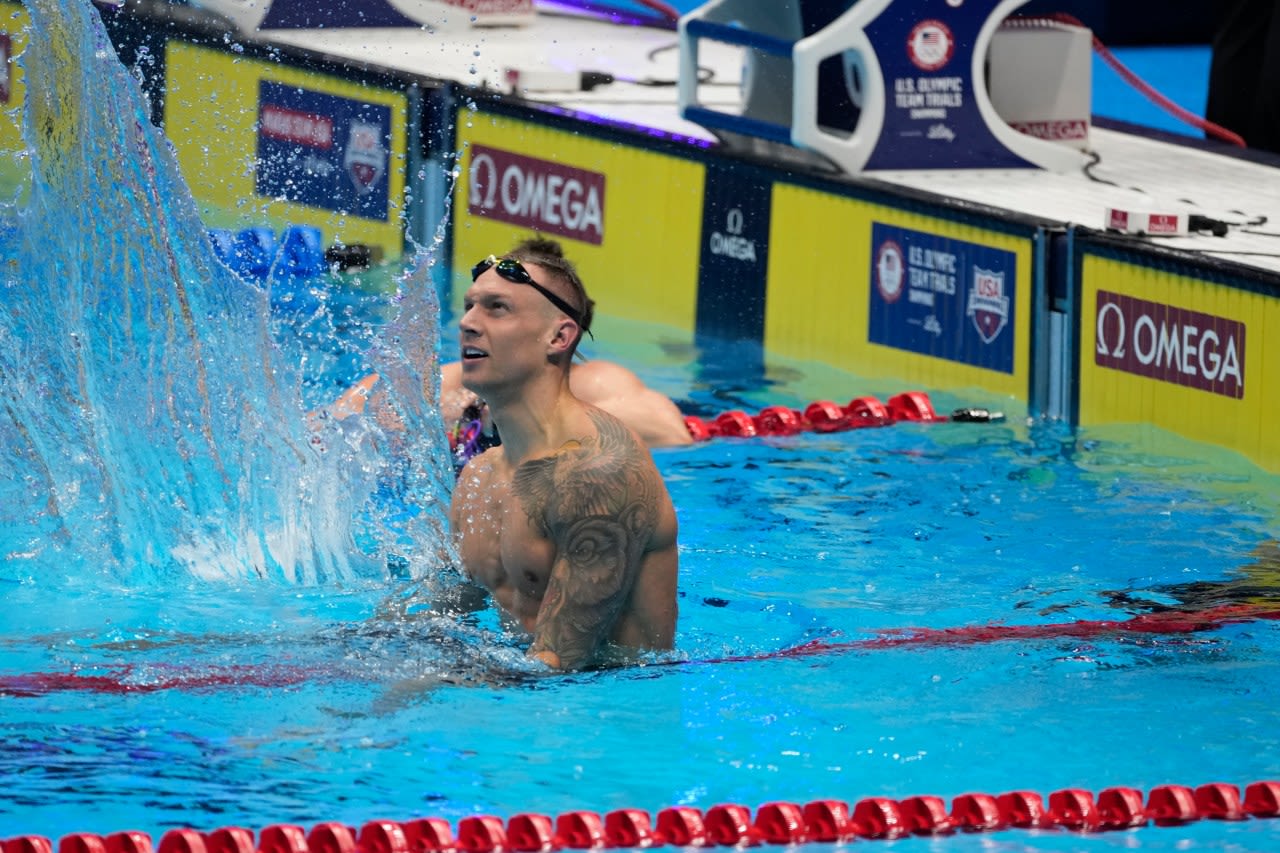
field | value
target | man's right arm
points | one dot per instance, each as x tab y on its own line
461	594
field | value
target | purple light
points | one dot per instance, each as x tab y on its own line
619	124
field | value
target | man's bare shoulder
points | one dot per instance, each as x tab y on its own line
596	380
610	444
599	473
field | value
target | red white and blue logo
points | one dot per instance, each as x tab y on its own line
323	150
988	306
366	157
889	271
930	45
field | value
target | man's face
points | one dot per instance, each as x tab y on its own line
504	330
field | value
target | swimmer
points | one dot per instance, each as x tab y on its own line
567	523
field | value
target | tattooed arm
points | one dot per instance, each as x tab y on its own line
596	501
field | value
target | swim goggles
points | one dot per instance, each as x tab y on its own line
514	271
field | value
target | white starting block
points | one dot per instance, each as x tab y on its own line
899	84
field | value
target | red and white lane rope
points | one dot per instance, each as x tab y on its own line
724	825
828	416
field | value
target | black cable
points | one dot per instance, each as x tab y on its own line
706	76
1094	159
1195	222
662	48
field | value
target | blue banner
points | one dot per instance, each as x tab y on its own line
323	150
309	14
735	255
944	298
931	120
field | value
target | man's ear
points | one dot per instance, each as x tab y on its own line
566	332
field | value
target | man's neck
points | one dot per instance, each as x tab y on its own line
530	419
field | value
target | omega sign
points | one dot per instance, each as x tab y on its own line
537	194
1170	344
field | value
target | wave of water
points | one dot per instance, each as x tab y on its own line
151	423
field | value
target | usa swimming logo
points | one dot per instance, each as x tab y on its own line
323	150
365	159
988	306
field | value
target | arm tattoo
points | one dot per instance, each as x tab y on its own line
595	501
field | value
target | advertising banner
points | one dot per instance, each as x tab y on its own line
734	258
14	171
942	297
932	118
263	143
1179	351
628	217
891	292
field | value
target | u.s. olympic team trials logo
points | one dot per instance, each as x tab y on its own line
365	159
930	45
890	271
988	303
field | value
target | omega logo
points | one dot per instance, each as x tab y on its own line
1171	344
732	244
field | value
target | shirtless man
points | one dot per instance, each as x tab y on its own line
567	522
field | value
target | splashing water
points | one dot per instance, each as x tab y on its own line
151	426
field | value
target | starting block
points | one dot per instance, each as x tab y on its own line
899	84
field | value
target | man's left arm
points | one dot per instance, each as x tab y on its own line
598	505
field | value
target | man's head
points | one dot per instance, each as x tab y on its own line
561	274
528	308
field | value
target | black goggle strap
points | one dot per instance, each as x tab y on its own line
514	271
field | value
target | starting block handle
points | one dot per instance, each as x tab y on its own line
1041	152
850	153
714	21
699	29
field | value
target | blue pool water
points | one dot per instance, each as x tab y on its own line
160	669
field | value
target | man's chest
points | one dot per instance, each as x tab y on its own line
503	549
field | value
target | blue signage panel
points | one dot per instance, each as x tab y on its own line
735	255
931	120
308	15
323	150
941	297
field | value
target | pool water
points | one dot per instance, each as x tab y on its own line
338	710
143	690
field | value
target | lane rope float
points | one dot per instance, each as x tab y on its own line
722	825
825	416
